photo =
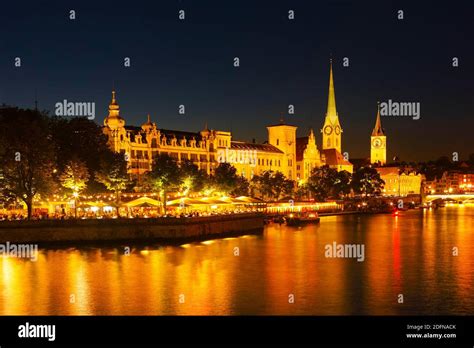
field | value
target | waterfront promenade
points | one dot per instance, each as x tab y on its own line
166	228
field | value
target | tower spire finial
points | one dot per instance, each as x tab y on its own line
114	101
378	130
331	111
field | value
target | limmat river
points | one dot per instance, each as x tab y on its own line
421	262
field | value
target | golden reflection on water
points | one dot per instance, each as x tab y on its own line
410	255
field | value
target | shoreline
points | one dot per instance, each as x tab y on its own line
131	230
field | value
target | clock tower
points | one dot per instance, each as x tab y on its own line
332	131
378	142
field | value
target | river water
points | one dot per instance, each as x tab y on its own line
283	271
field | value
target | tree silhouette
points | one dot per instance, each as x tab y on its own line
27	157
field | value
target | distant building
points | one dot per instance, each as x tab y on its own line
283	152
378	142
308	156
452	181
399	184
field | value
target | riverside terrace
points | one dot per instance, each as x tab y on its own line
109	230
147	206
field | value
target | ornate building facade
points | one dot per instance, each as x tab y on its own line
399	183
283	152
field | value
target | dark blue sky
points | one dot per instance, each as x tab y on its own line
283	62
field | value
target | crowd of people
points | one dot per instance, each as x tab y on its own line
138	214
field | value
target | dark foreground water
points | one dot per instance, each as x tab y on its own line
410	255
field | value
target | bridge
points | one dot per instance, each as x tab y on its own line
465	198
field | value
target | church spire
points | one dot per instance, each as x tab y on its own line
378	130
331	112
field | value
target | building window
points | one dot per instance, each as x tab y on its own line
278	142
329	143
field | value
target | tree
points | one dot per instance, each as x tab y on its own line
321	182
164	176
83	139
75	177
262	185
367	181
225	178
272	185
342	185
194	179
27	157
113	175
302	192
241	187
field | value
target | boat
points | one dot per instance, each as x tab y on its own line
299	219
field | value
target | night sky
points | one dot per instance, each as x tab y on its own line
282	61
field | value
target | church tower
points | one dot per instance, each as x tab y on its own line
378	142
283	137
332	131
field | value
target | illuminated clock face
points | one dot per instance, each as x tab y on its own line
337	130
377	143
327	130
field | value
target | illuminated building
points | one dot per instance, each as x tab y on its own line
378	142
399	184
453	181
283	152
